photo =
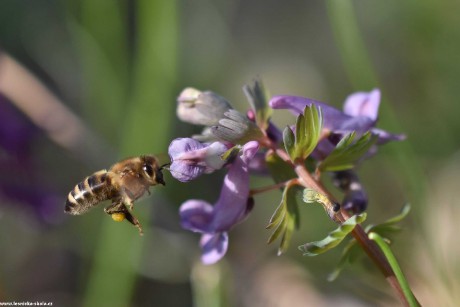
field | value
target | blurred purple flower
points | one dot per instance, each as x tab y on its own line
20	182
190	158
258	164
231	208
363	104
355	201
355	198
360	115
16	132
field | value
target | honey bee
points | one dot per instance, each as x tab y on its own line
125	182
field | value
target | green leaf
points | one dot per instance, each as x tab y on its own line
277	216
352	250
307	133
389	225
314	125
280	227
347	152
257	97
232	152
300	136
288	231
334	237
289	142
279	169
285	219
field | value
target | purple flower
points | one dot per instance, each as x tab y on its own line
359	115
355	198
20	181
191	158
213	222
363	104
17	133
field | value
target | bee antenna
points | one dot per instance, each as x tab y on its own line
165	166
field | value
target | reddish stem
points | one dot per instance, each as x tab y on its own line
273	187
371	249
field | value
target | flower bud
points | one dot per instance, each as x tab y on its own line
201	108
236	128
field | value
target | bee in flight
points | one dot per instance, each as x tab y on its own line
123	183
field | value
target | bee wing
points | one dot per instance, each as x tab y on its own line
132	186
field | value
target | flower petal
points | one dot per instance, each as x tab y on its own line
230	208
333	118
196	215
274	133
249	151
295	104
323	149
359	124
258	164
385	136
213	157
191	158
214	247
363	104
185	172
181	145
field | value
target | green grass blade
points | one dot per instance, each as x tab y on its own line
144	130
396	269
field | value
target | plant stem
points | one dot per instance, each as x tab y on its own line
370	248
396	269
273	187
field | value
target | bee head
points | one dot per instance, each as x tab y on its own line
152	170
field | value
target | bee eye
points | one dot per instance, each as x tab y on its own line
148	169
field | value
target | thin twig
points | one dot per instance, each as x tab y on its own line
273	187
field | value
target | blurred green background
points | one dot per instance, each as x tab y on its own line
118	65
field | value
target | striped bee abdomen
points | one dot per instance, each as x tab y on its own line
88	193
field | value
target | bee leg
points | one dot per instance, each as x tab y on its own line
133	220
119	207
129	204
115	207
128	200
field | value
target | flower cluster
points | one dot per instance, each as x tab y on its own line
241	143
